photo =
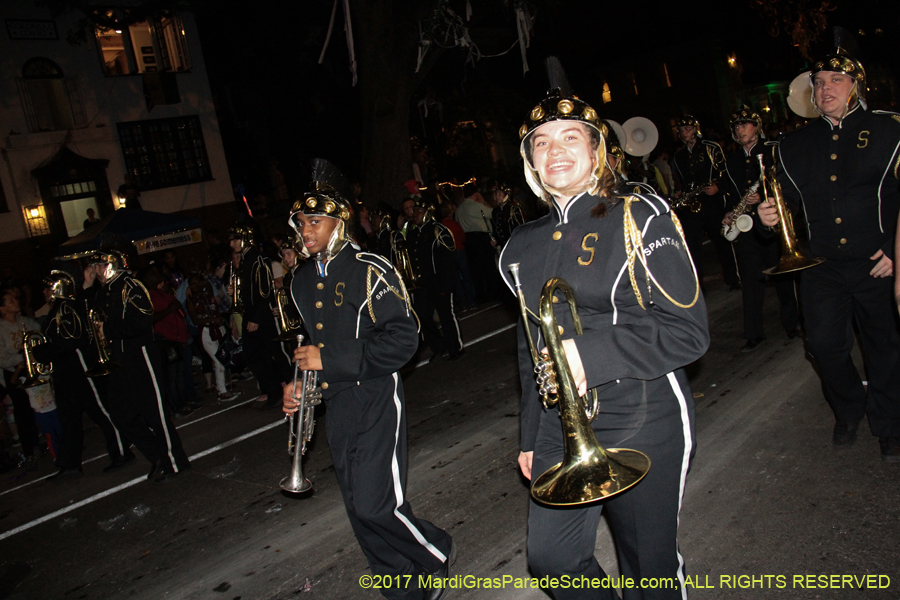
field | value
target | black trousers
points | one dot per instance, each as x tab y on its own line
709	221
446	339
367	436
482	266
266	359
835	295
77	395
655	417
753	256
135	404
23	414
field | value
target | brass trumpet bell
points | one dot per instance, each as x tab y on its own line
588	472
792	257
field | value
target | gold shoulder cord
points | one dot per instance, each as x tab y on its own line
438	234
128	299
402	294
61	324
634	250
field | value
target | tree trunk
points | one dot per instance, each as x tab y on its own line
386	34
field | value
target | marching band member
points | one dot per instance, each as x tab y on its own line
432	254
258	329
755	251
841	170
134	391
644	319
699	163
362	330
71	352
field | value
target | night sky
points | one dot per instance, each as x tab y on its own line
310	110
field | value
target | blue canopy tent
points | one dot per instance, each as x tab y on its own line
149	231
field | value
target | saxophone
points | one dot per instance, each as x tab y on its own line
690	200
741	221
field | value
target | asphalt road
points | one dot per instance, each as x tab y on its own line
768	501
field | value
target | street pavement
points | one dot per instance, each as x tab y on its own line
768	501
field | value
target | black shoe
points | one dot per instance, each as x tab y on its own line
890	449
794	333
844	435
267	405
435	357
119	462
456	355
752	345
66	473
168	474
443	573
156	470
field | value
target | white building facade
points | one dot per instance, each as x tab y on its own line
129	103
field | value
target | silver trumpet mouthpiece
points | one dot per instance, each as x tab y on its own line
514	271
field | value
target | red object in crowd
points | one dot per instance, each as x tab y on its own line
173	327
459	236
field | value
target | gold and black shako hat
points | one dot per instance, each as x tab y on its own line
61	284
243	233
557	107
840	62
688	121
323	201
745	114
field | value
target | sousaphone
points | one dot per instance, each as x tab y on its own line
641	136
800	97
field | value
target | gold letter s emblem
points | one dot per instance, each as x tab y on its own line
586	248
337	292
864	140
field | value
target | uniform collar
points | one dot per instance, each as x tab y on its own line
855	113
562	214
752	148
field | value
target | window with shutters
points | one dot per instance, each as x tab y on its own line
149	46
164	153
51	100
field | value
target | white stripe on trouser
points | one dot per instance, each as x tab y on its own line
211	347
159	406
685	463
100	404
455	322
398	489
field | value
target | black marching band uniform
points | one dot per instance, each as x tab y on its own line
756	250
291	316
637	337
505	218
357	312
697	167
263	353
134	391
70	350
844	178
432	254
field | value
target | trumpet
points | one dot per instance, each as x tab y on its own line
741	221
792	258
105	365
300	427
237	305
289	323
588	472
38	373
